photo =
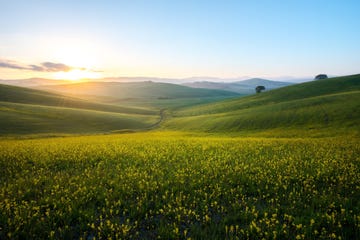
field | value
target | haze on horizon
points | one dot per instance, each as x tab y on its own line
178	39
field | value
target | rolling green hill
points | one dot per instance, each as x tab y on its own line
313	107
323	107
104	107
141	94
29	111
132	90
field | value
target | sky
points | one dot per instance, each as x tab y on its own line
178	38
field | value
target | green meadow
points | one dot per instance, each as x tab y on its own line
282	164
173	185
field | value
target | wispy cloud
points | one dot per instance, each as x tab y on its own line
10	64
42	67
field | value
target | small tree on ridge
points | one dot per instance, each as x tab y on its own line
258	89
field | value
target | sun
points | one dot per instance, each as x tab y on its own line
76	75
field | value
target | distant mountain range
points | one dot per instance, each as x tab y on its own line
232	85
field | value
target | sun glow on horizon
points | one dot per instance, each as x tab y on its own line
76	75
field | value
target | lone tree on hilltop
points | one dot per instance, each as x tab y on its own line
258	89
321	76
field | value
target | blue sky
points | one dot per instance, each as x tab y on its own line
180	38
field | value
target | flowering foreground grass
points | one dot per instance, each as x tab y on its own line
173	186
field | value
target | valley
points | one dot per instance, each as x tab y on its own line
87	161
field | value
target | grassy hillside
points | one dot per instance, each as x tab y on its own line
329	107
129	106
324	104
141	94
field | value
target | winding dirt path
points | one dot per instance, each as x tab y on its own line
162	118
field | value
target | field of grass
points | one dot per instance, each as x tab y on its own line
179	186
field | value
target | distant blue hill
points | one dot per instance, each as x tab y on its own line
242	87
